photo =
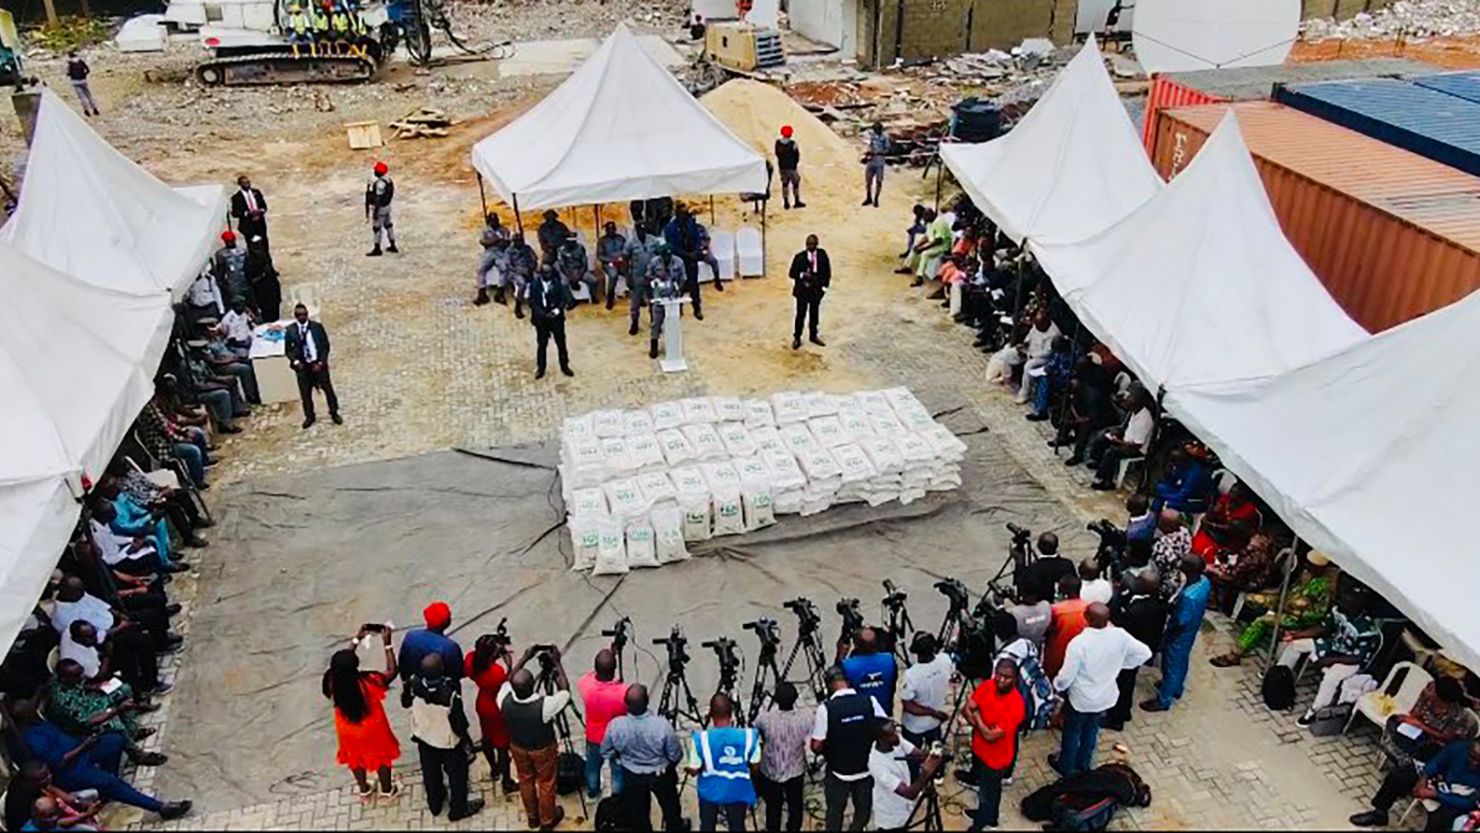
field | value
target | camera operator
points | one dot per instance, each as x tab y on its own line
843	733
870	669
604	697
440	728
925	687
725	784
646	747
901	772
995	712
487	666
530	717
784	731
1033	613
1045	572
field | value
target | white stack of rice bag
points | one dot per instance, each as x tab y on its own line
640	485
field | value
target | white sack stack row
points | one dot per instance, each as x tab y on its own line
640	485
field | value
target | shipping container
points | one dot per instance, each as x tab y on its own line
1391	234
1206	86
1464	85
1442	127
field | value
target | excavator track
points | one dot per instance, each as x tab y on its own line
270	68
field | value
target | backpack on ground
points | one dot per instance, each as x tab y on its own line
610	813
1038	692
1278	688
570	773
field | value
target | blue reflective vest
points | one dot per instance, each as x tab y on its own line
725	754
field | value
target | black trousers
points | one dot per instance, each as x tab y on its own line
1121	711
451	763
133	657
783	795
809	310
734	814
308	379
837	793
1399	783
691	282
638	791
544	330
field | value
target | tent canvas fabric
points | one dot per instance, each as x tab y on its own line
620	128
36	520
1370	456
1071	168
87	210
1199	284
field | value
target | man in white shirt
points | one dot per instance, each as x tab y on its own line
1093	588
236	326
205	297
1036	347
1117	444
1092	664
923	691
890	764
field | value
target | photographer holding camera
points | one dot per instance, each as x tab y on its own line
487	666
440	728
901	772
530	717
869	669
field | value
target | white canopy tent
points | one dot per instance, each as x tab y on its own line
1071	168
87	210
1199	284
1370	455
76	365
620	128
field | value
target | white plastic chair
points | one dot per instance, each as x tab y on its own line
1378	705
705	274
751	253
1126	465
722	246
1429	805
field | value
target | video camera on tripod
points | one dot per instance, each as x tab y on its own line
619	636
677	645
767	631
729	664
675	684
808	645
1111	551
852	617
808	619
1021	555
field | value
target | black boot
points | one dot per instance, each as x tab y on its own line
498	296
652	348
518	307
481	299
632	330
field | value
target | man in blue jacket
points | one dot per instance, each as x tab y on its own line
724	757
1188	607
1186	487
1452	779
690	241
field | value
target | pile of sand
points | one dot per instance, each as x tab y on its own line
755	112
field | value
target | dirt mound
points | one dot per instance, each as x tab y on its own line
756	111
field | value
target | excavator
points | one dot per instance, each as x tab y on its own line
266	42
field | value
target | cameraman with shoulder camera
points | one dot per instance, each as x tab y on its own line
843	733
530	717
869	669
924	691
901	772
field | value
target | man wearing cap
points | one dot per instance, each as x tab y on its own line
664	281
432	639
494	261
574	265
788	160
378	195
873	164
230	265
249	209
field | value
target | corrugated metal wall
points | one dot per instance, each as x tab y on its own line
1391	235
1166	93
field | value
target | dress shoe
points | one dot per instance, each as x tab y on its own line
632	330
718	287
392	249
175	810
698	315
481	298
539	374
178	567
817	341
1371	818
1153	705
801	204
518	310
1037	417
867	201
917	282
786	205
796	343
498	296
150	759
375	252
475	806
903	270
309	421
172	609
652	348
567	371
1074	460
559	817
336	419
197	541
1101	486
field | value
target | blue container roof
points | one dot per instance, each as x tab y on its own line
1440	125
1465	85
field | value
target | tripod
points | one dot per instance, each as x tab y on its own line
760	692
808	645
931	821
899	627
545	684
676	685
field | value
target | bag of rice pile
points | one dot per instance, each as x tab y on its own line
626	499
766	438
645	452
818	464
885	425
615	456
677	449
584	453
753	470
828	431
693	499
855	425
946	444
656	487
736	438
696	520
705	440
788	407
798	438
585	538
574	427
884	453
874	403
721	476
608	424
729	512
611	552
760	507
758	414
668	534
642	549
786	474
588	503
917	451
698	409
666	415
637	423
728	408
854	464
820	404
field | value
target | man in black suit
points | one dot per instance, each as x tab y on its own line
549	300
308	352
250	210
811	274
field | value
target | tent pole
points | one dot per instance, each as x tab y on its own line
596	216
1064	406
764	205
482	198
711	210
1279	615
939	171
1146	484
518	218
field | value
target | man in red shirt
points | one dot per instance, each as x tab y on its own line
605	698
995	712
1067	623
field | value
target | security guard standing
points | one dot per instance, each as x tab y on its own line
665	280
378	195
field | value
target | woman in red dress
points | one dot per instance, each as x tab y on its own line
487	665
366	741
1230	522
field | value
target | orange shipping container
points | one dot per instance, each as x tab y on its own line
1391	234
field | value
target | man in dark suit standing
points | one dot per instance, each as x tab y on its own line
249	209
307	345
811	274
549	300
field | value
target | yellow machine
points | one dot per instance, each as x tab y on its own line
741	46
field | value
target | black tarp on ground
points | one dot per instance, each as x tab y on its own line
300	561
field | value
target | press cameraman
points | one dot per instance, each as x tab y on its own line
869	668
843	733
1045	571
530	717
925	688
1033	614
901	771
